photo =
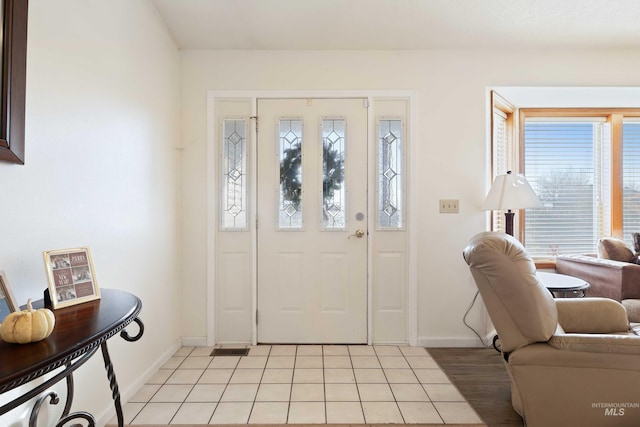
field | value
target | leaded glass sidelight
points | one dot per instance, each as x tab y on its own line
234	174
290	157
333	186
390	174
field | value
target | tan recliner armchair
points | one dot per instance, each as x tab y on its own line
572	362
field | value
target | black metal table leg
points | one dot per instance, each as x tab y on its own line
113	383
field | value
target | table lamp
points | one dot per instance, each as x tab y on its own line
510	192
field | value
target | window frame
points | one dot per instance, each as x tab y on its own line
501	106
613	116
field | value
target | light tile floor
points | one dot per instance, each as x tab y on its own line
301	384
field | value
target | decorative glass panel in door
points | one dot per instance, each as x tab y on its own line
234	175
390	174
333	185
290	158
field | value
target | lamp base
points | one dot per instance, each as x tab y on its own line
508	224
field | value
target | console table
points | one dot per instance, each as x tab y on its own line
78	333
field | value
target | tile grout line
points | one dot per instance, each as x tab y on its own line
324	389
425	390
295	361
160	388
253	404
391	389
225	387
193	386
364	417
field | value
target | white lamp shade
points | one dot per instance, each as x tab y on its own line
511	191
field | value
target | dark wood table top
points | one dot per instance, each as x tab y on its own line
78	330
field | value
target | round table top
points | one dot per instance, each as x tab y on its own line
561	282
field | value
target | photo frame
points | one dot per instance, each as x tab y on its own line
71	275
8	302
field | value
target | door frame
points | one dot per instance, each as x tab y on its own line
212	202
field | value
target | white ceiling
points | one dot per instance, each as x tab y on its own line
401	24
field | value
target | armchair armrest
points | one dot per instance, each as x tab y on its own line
592	315
597	343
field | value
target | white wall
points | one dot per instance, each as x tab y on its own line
102	169
451	147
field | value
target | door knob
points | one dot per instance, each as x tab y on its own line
359	234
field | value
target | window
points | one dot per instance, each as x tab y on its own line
584	164
503	147
566	163
630	177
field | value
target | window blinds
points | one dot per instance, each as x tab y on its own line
501	158
566	161
500	154
630	178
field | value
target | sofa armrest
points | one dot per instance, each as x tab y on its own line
591	315
608	278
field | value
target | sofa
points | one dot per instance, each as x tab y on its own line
612	273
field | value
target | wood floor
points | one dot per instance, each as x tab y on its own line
481	377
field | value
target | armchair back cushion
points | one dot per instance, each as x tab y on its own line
521	308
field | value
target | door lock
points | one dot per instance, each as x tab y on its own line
359	234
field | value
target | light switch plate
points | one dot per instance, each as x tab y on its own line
449	206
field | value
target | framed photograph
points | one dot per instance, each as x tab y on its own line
72	278
7	300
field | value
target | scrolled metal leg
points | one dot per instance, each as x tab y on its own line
111	375
70	391
124	334
53	400
82	415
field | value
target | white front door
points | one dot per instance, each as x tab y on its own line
312	221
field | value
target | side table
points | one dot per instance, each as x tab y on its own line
562	285
78	333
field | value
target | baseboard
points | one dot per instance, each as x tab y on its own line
451	342
194	341
399	343
107	414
